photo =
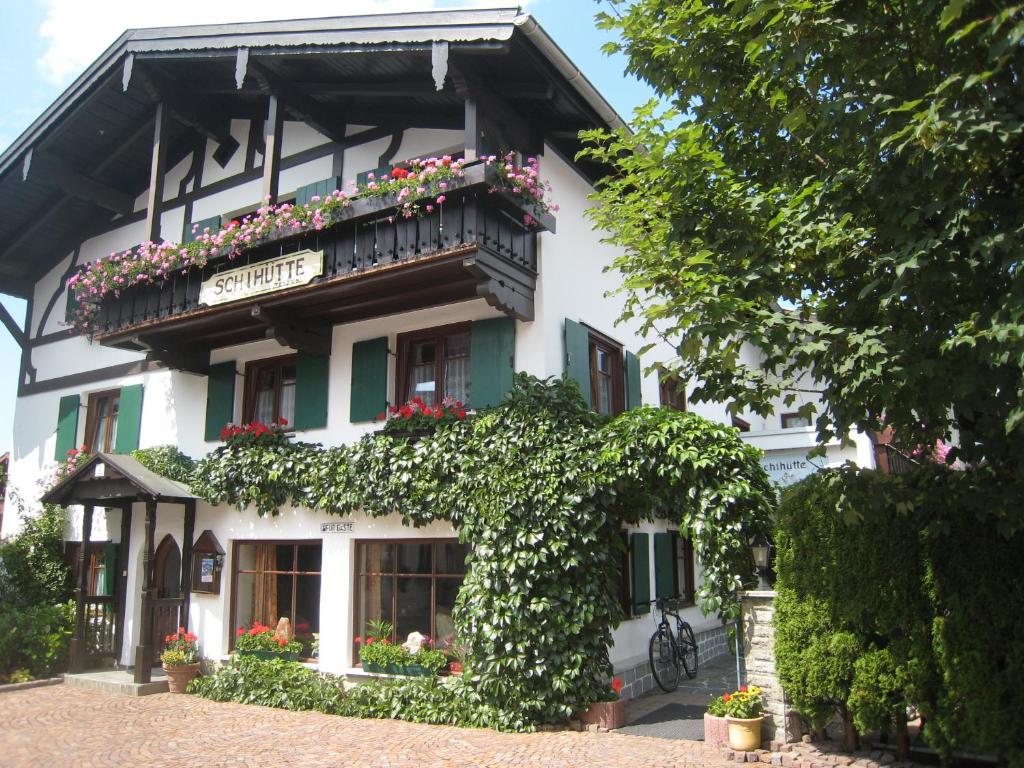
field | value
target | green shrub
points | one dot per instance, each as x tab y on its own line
168	461
272	683
32	569
434	700
35	639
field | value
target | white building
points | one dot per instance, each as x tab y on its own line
191	127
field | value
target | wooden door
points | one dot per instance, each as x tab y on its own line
167	585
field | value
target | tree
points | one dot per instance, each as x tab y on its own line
838	184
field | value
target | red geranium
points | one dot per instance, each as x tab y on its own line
617	685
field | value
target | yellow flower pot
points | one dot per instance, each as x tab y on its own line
745	735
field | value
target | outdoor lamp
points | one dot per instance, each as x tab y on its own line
759	547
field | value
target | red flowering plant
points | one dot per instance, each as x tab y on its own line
180	649
418	185
523	181
260	637
418	416
74	458
255	433
742	704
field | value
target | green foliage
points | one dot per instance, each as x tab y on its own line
275	683
434	700
915	604
857	161
168	461
539	486
32	569
34	640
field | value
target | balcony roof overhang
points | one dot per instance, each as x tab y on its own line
78	167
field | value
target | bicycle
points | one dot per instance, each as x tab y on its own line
671	650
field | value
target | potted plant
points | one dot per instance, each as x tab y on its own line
416	419
415	657
180	660
745	712
264	643
716	724
609	711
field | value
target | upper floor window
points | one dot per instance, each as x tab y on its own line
607	375
740	424
270	390
794	420
672	391
434	364
101	420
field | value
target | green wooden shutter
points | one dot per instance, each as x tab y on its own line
633	396
577	356
220	398
369	379
363	178
640	559
491	360
67	426
70	306
311	388
129	419
188	236
305	193
664	571
109	569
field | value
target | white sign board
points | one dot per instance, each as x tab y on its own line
786	467
345	527
265	277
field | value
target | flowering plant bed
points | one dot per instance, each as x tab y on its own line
415	418
261	641
416	187
415	657
609	712
255	433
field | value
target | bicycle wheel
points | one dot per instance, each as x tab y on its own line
664	659
688	650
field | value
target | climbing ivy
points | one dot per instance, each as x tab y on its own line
540	487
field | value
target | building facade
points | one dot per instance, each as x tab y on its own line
178	133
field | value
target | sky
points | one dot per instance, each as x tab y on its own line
46	44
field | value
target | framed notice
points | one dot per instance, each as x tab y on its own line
207	564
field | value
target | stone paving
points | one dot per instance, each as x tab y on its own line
64	727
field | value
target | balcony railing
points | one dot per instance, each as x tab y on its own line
479	240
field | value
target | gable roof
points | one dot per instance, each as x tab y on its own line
139	483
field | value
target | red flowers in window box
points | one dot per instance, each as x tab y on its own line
255	433
417	416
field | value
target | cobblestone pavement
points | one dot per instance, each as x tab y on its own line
62	727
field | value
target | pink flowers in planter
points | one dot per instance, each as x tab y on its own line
525	182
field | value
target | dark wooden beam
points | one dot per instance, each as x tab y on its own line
495	116
82	186
193	358
20	337
186	560
76	653
314	114
289	330
122	575
471	128
273	133
157	168
144	650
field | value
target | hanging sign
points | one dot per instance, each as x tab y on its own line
786	467
265	277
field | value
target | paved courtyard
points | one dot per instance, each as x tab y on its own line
62	727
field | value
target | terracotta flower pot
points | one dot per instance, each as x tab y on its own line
180	675
745	735
716	730
605	714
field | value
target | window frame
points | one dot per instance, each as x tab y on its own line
404	344
741	424
252	369
357	574
671	392
92	414
235	571
687	600
626	575
596	340
794	415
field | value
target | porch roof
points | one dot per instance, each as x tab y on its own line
122	479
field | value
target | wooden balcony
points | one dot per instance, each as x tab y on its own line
375	263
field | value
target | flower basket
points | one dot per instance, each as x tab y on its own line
369	666
270	655
180	675
745	734
605	714
716	730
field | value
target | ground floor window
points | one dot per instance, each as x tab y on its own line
101	565
412	584
682	570
274	580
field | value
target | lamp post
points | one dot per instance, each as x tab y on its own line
759	547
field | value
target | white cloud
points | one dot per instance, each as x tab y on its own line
77	32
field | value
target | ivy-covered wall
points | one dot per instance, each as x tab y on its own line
540	487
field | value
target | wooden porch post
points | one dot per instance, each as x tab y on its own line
122	575
186	559
76	651
144	650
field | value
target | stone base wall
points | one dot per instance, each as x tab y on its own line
759	663
638	680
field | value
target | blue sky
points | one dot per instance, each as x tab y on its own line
45	44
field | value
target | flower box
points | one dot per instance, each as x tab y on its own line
716	730
270	655
605	714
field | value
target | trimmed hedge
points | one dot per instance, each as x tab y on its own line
897	591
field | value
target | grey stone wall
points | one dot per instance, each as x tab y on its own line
638	680
759	663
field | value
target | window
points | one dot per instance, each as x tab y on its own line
270	390
682	571
673	392
410	583
607	375
434	364
625	575
101	564
101	420
274	580
795	420
740	424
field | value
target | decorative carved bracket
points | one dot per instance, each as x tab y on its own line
289	330
500	290
192	359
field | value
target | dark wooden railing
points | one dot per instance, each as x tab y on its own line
166	614
899	463
373	235
101	627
